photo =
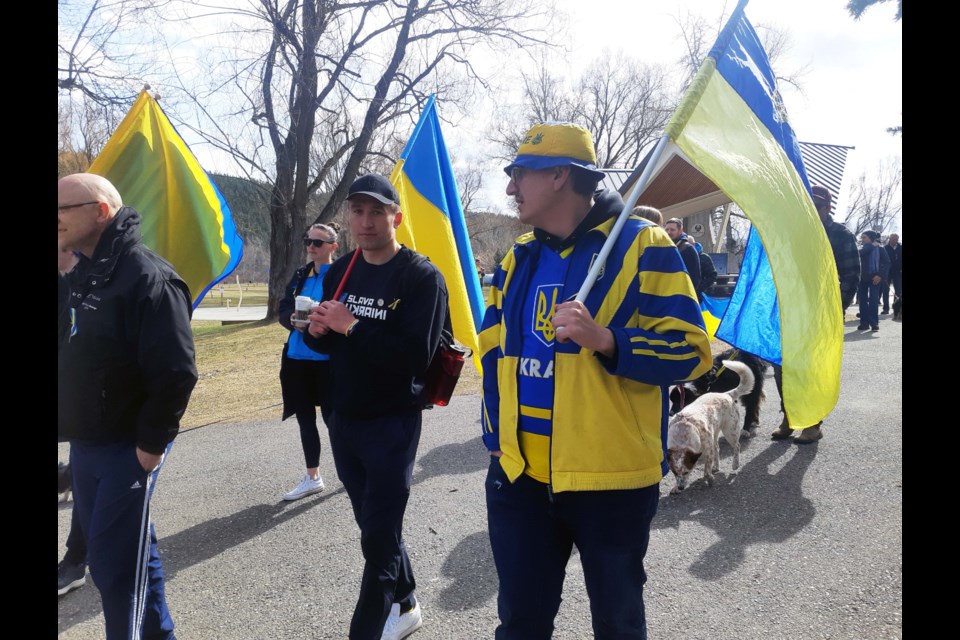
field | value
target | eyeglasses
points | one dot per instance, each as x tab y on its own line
517	173
66	207
317	242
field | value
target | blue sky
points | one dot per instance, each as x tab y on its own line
852	85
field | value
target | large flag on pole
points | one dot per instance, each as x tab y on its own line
433	222
731	125
184	217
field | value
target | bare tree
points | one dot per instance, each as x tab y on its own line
83	128
545	99
625	106
858	7
324	85
469	182
874	205
104	48
698	36
623	103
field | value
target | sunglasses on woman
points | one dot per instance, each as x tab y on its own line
317	242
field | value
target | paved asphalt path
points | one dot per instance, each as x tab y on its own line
803	542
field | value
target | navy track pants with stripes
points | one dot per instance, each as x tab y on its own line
112	495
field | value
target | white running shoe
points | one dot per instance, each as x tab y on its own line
399	626
306	487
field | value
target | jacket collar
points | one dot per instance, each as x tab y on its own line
604	207
122	232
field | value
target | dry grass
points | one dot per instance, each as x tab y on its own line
239	367
229	295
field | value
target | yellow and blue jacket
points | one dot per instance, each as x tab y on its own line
609	414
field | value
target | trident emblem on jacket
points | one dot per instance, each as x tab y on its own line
544	315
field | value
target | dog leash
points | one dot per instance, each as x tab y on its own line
723	367
681	389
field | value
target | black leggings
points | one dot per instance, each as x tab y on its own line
309	436
306	384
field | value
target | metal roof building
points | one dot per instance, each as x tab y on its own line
680	190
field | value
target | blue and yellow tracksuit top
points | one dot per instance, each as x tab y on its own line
608	415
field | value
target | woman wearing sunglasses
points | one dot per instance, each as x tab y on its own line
305	373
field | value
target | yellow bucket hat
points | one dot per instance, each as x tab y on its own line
557	144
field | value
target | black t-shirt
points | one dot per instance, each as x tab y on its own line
401	306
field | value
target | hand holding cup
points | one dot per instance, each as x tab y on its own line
302	306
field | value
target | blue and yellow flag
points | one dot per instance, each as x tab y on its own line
713	310
184	217
433	222
731	125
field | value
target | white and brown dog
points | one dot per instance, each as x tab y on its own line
695	431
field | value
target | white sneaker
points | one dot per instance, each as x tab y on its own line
306	487
400	626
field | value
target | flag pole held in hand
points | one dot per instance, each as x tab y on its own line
346	274
618	226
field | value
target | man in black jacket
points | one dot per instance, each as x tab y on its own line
381	334
691	259
708	271
125	373
895	277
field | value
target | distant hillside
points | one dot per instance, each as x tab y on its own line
248	202
492	235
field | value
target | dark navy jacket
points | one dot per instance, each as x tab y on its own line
126	366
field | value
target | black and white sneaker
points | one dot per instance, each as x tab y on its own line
70	576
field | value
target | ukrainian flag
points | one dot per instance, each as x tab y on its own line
713	310
184	217
732	126
433	222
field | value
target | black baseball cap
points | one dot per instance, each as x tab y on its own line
375	186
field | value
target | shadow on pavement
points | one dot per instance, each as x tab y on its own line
451	459
856	336
721	507
193	546
470	566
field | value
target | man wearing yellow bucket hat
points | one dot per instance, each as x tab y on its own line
574	408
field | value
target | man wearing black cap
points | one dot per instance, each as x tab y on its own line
847	259
381	334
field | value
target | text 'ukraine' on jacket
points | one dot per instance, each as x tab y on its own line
608	414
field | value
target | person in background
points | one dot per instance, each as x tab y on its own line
304	373
847	261
895	253
650	213
874	263
708	272
72	570
691	259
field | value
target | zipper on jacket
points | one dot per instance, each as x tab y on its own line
553	432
